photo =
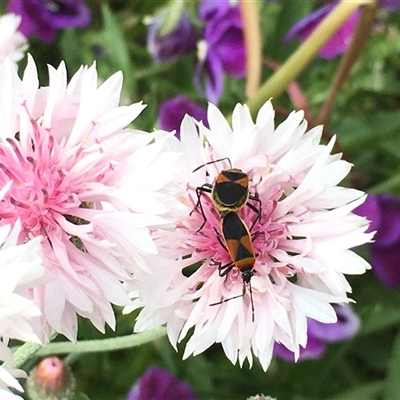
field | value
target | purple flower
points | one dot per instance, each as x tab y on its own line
391	5
314	349
341	39
44	17
384	212
222	49
181	40
210	8
319	334
159	384
173	110
338	42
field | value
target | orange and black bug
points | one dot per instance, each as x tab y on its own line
239	245
230	192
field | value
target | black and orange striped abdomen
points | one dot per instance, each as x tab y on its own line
238	240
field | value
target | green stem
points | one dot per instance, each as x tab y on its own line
289	71
150	71
109	344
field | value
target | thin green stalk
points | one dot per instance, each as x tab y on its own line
296	63
27	350
109	344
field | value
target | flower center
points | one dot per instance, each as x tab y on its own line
53	6
209	242
40	186
63	8
202	48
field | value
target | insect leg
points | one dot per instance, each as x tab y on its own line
225	269
219	238
255	209
255	235
240	295
251	300
231	298
206	188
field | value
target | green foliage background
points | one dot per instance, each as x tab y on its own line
366	120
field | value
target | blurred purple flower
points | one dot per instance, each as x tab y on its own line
384	213
341	39
210	8
391	5
222	49
44	17
319	334
159	384
181	40
338	42
173	110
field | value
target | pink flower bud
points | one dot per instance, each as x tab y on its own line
51	379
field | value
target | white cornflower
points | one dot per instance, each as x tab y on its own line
13	43
301	241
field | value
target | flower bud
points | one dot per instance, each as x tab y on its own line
51	379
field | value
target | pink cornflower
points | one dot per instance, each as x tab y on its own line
13	43
301	241
88	185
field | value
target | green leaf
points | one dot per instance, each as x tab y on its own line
72	46
27	350
80	396
381	318
355	131
388	185
366	391
117	45
392	386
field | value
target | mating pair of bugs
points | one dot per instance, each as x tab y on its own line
229	194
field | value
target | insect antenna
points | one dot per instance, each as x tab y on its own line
213	162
